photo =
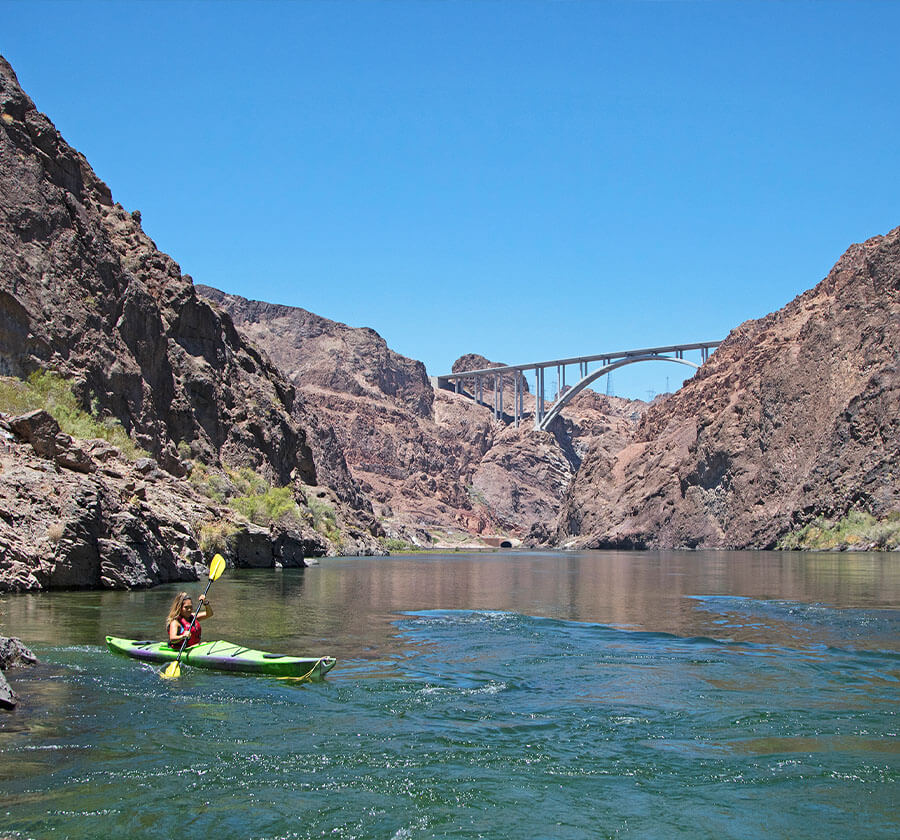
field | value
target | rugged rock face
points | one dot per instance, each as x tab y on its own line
794	416
85	292
437	466
77	514
324	354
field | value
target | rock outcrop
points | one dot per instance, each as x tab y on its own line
319	353
102	520
794	416
438	467
12	654
86	294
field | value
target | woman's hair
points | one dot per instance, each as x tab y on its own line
175	609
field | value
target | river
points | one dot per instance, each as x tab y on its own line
495	695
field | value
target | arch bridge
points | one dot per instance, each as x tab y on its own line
546	411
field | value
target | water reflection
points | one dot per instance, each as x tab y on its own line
348	606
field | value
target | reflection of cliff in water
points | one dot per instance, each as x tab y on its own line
349	607
638	590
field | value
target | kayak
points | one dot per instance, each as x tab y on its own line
225	656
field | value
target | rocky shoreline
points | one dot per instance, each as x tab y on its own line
79	514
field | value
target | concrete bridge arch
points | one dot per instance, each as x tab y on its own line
578	387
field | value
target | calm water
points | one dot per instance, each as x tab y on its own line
511	695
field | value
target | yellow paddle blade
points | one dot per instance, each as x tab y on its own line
216	567
172	671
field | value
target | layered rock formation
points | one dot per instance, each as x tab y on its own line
79	514
794	416
85	293
438	467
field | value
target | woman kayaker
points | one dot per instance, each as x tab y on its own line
181	614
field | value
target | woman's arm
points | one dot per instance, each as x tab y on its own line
205	609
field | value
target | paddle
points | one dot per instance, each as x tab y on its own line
173	669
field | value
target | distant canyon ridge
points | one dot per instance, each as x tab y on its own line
278	435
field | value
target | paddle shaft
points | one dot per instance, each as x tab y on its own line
193	621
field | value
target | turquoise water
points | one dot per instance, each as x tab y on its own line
511	695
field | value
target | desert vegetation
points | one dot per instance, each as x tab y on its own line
51	392
857	530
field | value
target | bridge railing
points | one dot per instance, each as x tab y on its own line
496	377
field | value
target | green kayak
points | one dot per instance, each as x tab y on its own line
225	656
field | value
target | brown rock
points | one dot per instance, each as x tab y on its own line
39	429
329	355
88	294
794	416
432	461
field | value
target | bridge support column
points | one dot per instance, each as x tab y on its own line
521	393
516	399
539	397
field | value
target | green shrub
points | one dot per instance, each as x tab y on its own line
324	520
211	483
256	499
49	391
274	504
215	536
857	529
247	482
394	544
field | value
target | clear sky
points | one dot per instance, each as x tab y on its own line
525	180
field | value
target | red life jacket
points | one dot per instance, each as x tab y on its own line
195	633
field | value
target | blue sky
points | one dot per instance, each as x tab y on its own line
525	180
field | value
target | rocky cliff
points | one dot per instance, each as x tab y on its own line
438	467
795	416
85	293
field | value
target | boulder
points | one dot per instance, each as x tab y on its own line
252	546
12	654
8	698
39	429
292	547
